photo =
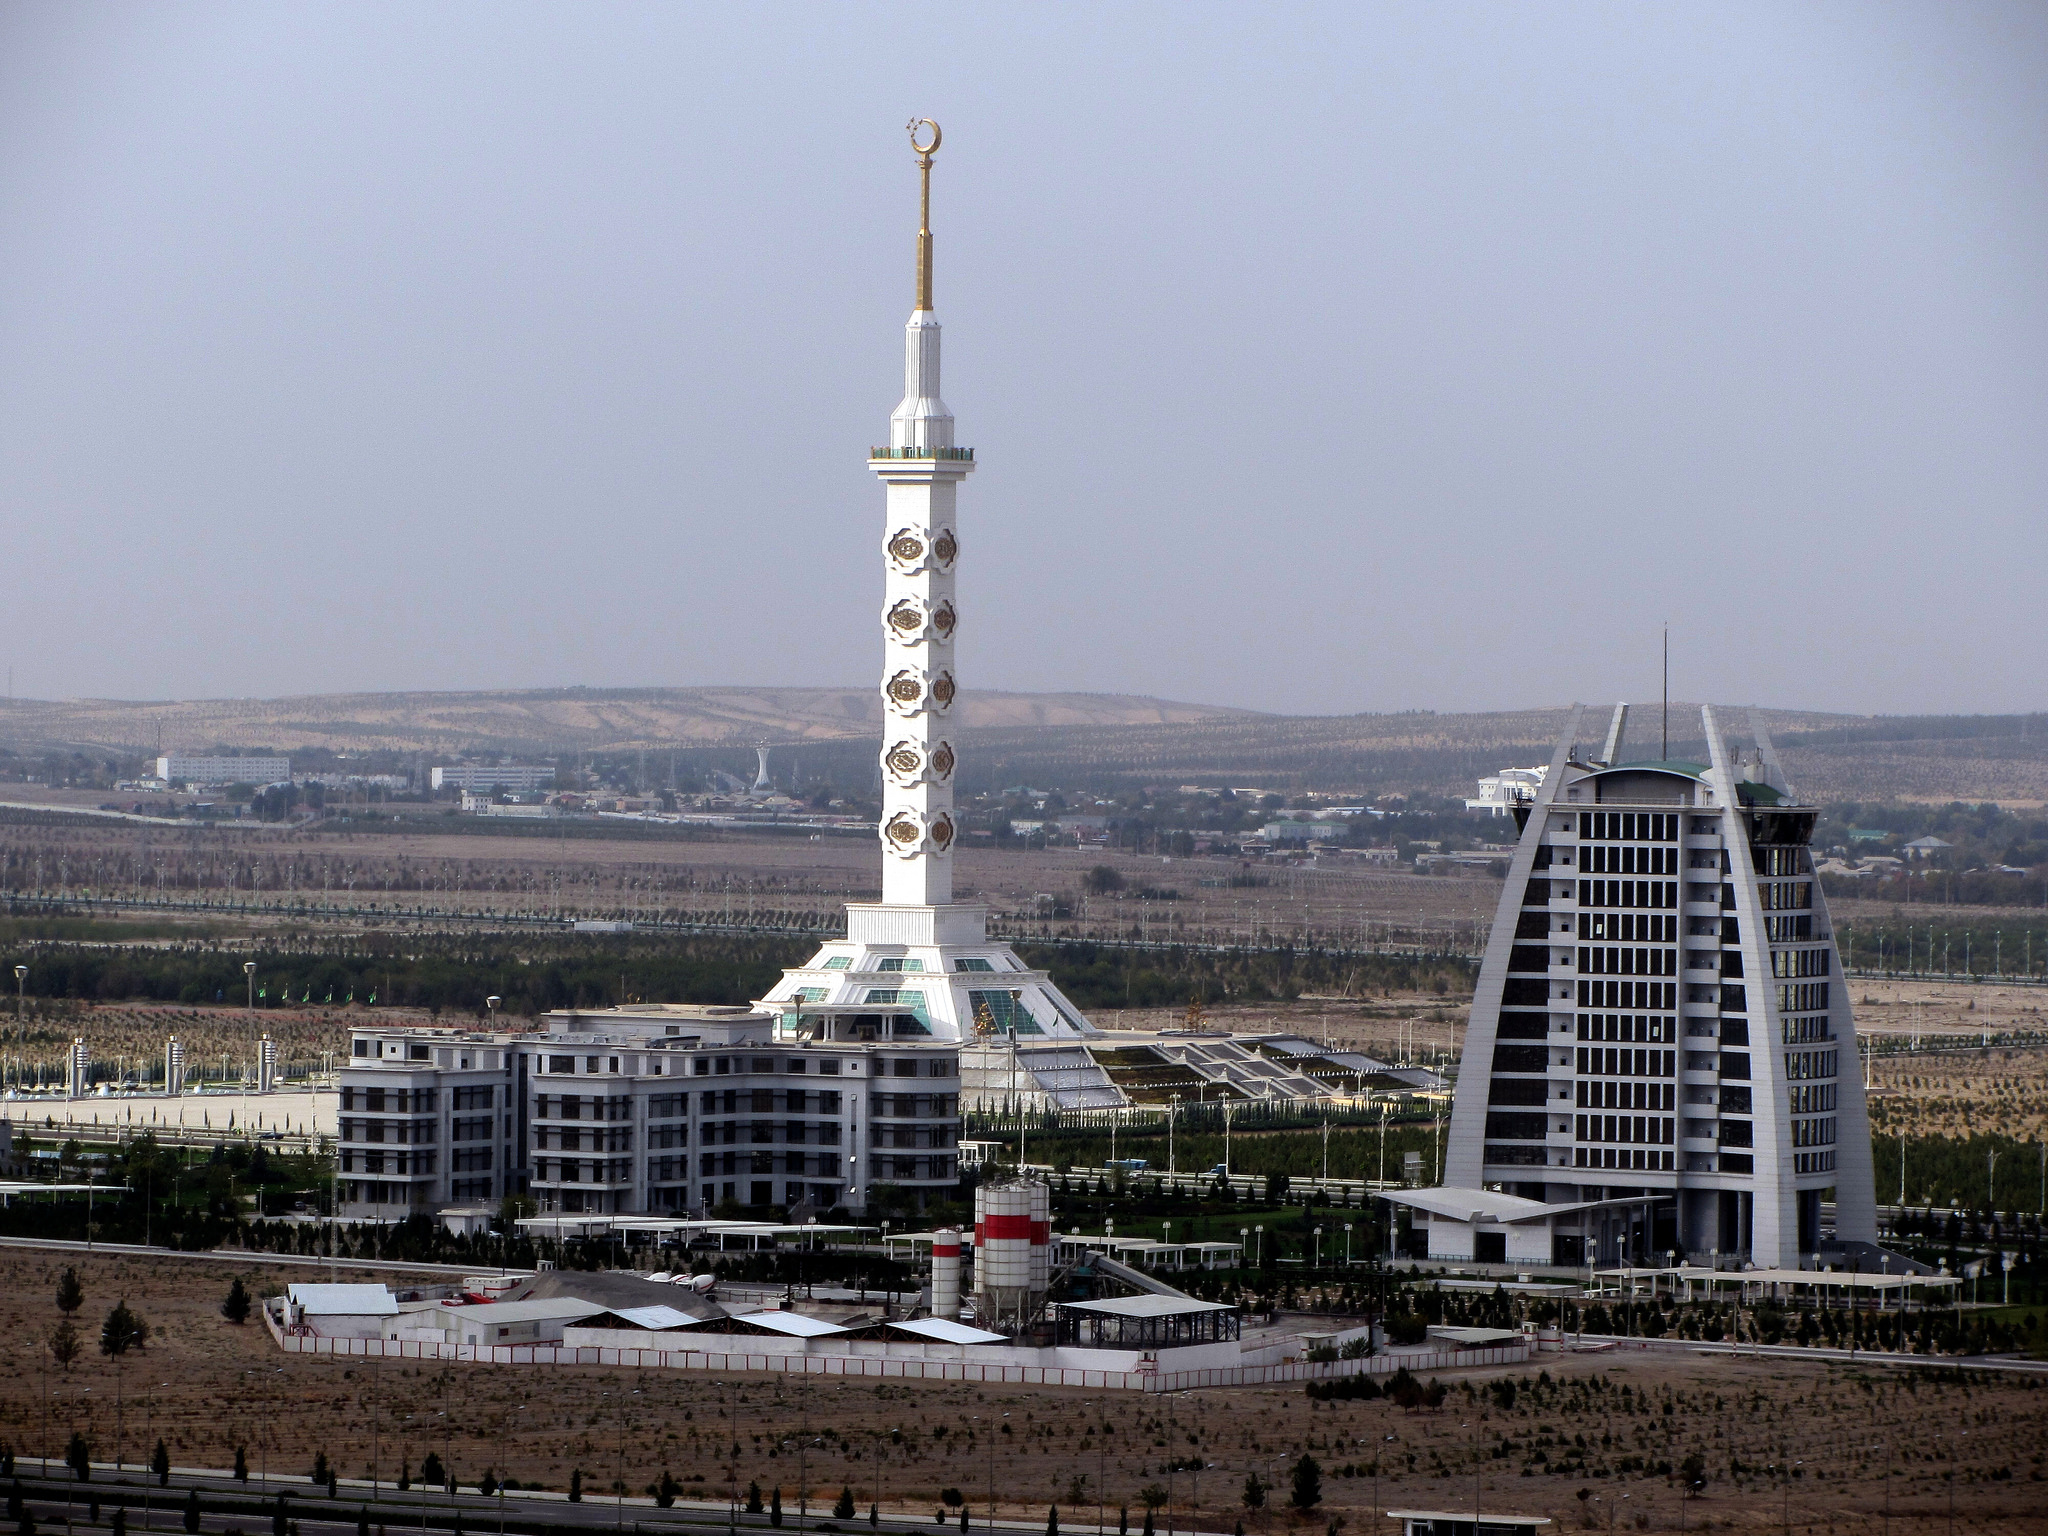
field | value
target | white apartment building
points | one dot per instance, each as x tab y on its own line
651	1109
1661	1051
511	777
1500	792
224	770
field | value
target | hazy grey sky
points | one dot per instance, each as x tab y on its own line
1317	358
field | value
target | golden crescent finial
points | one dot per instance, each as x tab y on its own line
926	151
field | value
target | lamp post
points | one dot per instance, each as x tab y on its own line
1474	1444
1952	1487
1259	1237
20	989
249	977
1317	1262
1378	1451
1382	1179
1347	1245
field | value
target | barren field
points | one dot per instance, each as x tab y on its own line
206	1387
740	879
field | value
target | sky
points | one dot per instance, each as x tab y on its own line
1318	359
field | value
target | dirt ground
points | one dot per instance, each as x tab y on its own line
733	877
206	1387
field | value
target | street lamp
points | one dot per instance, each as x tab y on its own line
249	977
20	984
1347	1245
1378	1452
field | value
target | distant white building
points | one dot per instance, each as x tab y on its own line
224	770
479	802
507	776
1301	831
1499	793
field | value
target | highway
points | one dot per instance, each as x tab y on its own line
53	1496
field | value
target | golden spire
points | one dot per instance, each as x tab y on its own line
924	209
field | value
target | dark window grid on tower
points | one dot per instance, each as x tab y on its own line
1640	894
376	1160
1626	960
1807	1030
1812	1098
1628	826
392	1101
557	1138
390	1132
1626	859
1786	963
1659	1028
1788	930
1784	895
1598	993
1629	928
1802	1066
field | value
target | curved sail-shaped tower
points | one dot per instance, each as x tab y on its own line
1661	1058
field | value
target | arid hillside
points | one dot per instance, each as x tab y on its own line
540	720
1059	739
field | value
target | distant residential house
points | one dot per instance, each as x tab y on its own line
1926	847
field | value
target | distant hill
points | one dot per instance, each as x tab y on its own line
539	721
1102	741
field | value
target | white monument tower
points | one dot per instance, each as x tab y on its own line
917	949
923	470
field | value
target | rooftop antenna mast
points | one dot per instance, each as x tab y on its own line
1665	755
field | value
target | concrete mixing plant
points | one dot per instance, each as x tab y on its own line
1012	1253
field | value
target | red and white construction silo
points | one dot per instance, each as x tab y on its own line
1012	1253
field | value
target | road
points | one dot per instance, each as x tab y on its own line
52	1501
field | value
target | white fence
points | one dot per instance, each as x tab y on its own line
902	1368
